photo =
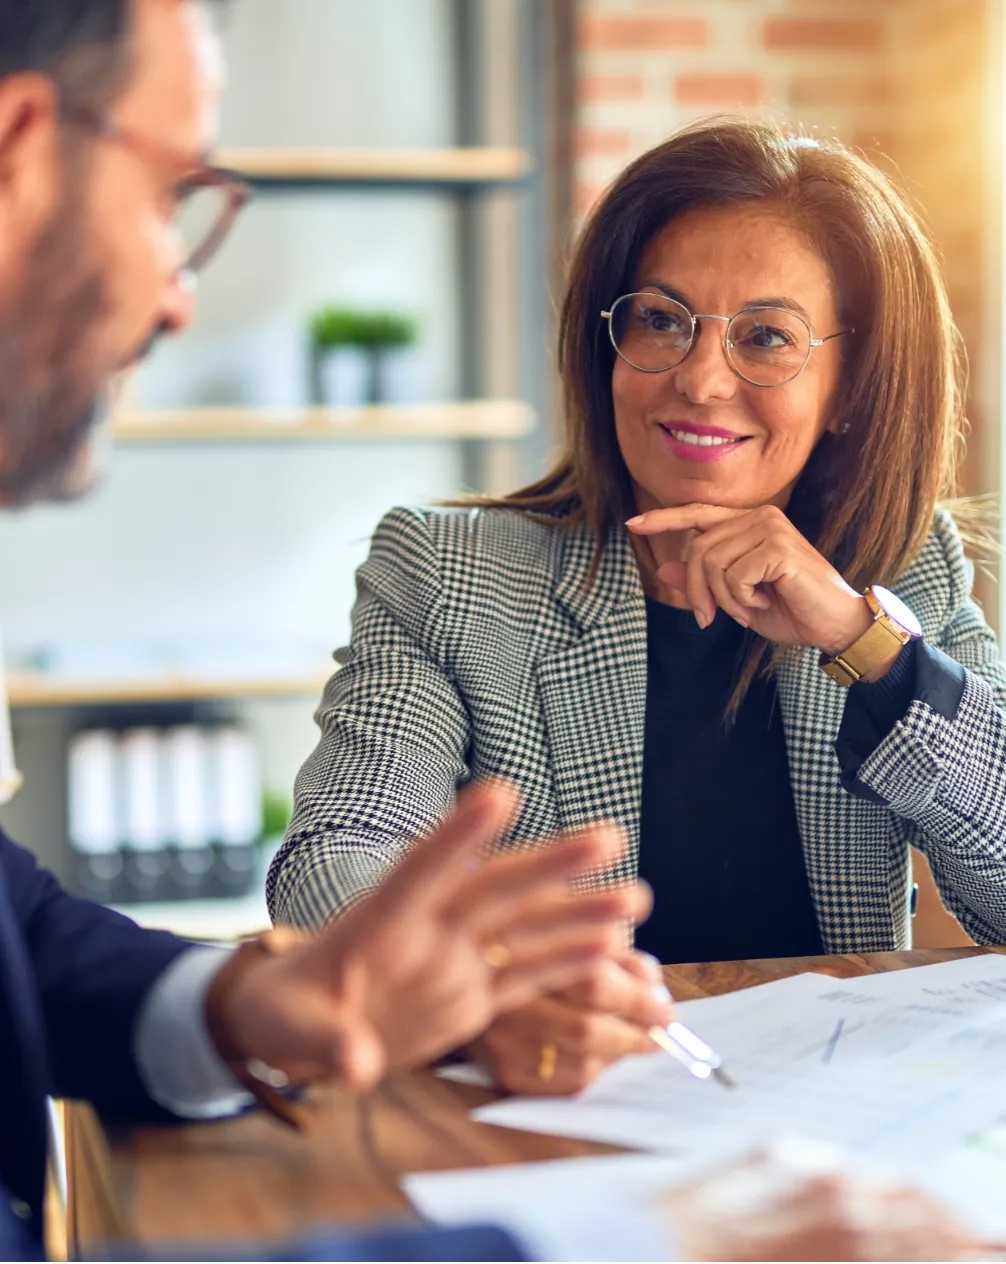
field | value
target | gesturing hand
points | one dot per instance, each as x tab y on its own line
755	565
427	961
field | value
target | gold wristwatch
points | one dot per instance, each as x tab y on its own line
893	625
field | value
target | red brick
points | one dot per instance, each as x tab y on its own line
841	90
616	33
610	88
598	142
718	89
847	34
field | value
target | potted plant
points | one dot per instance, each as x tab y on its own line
341	371
385	335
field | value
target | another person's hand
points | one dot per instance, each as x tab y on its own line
776	1207
557	1045
755	565
449	941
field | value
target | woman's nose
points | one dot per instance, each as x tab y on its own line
704	375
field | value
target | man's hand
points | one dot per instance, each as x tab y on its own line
451	940
589	1025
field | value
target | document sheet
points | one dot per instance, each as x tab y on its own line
906	1070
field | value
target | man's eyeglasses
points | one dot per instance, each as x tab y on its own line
206	200
766	346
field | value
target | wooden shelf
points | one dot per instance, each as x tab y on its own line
465	419
470	166
44	689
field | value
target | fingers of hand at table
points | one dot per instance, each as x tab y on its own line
631	988
586	1039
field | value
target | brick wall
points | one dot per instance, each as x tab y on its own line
909	82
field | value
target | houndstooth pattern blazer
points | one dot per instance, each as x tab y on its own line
478	649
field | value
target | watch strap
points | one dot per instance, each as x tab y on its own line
873	647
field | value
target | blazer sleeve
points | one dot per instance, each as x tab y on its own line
395	735
942	766
93	969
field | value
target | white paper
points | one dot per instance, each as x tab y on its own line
904	1068
548	1204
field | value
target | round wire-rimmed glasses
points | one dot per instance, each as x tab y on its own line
206	199
764	345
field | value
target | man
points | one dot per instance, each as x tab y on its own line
106	111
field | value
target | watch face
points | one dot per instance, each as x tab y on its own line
896	609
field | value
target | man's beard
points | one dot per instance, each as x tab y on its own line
53	385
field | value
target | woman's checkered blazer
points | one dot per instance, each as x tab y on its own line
477	648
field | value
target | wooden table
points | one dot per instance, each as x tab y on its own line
251	1178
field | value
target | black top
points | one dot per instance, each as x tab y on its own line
719	842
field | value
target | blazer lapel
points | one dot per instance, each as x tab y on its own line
22	1067
845	840
593	690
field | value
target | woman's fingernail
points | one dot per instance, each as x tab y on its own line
662	996
634	522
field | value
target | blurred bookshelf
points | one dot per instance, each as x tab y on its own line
460	166
213	921
54	689
459	419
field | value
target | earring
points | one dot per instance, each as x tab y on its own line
845	427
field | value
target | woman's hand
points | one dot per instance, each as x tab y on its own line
776	1207
755	565
559	1044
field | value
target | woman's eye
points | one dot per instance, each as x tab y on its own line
660	322
766	338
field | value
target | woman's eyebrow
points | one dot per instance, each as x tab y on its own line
788	304
669	290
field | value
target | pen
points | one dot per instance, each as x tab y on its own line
693	1054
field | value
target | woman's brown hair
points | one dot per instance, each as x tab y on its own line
867	495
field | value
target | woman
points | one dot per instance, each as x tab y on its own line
763	405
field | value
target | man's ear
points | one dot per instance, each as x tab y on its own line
30	175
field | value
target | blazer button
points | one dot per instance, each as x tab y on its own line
20	1208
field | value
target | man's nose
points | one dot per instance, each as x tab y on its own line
179	301
704	375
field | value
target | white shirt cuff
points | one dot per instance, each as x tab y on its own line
176	1057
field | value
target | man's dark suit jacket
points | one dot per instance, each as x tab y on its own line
73	979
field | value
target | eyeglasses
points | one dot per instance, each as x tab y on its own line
766	346
206	200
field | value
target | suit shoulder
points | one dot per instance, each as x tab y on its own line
475	546
938	581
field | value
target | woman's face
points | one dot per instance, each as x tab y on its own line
719	261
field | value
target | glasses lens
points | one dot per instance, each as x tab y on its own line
651	331
768	346
199	220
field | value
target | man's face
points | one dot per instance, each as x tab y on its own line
89	281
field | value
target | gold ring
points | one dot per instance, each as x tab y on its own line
497	955
547	1061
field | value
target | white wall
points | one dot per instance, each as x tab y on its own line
249	551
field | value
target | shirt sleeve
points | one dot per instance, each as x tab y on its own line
177	1060
921	672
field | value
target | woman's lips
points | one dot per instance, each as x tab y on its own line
701	443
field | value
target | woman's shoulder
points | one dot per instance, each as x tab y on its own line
476	545
939	580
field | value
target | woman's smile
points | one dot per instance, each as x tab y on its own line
690	441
